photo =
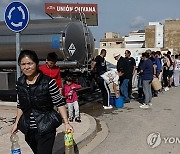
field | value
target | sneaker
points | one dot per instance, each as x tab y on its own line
70	119
144	106
77	119
155	95
108	107
131	97
150	104
166	89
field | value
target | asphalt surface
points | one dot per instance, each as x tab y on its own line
132	130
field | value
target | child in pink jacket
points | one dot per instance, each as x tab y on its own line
72	99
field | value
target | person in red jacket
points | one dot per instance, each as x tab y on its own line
50	69
71	98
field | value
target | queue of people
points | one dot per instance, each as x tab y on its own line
152	65
164	67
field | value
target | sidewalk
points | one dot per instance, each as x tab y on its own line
84	132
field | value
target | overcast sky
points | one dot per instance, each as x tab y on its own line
121	16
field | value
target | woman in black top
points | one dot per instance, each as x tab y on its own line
37	94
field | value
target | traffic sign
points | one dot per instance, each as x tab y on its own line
16	16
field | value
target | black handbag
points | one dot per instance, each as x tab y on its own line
47	121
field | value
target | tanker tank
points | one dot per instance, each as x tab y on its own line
71	39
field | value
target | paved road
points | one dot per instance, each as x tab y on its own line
128	128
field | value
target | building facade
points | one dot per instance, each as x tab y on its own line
112	40
154	35
172	34
136	39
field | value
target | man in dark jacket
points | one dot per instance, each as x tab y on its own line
124	71
132	64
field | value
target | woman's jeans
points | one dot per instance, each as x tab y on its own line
147	91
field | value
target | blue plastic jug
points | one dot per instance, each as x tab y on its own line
119	102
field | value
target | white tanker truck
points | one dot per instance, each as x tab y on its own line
72	41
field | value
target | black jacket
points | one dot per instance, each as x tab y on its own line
124	66
34	98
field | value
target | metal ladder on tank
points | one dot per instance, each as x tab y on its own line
86	33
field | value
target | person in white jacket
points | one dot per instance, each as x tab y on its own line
111	76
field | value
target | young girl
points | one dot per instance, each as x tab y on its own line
72	98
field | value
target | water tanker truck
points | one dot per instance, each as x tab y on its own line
71	39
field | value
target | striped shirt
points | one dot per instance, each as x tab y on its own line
56	100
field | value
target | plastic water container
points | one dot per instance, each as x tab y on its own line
119	102
156	84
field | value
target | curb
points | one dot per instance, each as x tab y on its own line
84	139
100	137
89	135
4	103
81	141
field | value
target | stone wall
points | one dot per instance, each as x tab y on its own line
150	36
172	34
